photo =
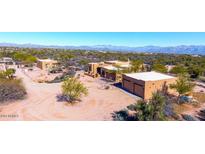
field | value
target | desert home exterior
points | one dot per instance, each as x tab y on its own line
7	61
107	69
145	83
46	64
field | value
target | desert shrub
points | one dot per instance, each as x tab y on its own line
183	85
169	110
11	90
120	115
123	115
132	107
73	89
8	74
179	69
152	110
202	78
159	68
201	115
195	71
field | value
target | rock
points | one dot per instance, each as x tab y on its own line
187	99
187	117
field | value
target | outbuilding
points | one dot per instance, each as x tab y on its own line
144	84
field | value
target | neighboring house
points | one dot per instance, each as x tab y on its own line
7	61
46	64
146	67
2	67
145	83
94	68
107	69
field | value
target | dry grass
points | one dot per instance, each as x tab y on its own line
199	96
180	108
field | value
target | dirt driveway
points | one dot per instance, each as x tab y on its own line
42	104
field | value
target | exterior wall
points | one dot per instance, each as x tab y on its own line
93	68
111	76
39	64
45	65
154	86
145	89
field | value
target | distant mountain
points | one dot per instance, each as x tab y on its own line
183	49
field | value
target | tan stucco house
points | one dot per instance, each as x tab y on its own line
107	69
46	64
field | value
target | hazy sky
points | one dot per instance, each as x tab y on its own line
104	38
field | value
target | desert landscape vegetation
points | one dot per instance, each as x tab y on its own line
68	89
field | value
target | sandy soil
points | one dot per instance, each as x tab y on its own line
200	87
42	104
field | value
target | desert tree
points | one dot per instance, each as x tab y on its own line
183	85
179	69
136	65
8	74
159	68
73	89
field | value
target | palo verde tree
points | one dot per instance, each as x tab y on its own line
73	89
24	57
159	68
195	71
179	69
183	85
136	65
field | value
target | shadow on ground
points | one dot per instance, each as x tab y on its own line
62	98
123	115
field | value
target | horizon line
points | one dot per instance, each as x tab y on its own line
99	45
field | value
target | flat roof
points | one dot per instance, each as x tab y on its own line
149	76
124	65
112	61
47	60
110	67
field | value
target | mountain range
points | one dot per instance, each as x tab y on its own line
182	49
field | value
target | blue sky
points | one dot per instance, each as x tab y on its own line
133	39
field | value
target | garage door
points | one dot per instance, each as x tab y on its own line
128	85
139	90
